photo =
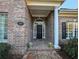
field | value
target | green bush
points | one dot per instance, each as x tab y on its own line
4	50
72	48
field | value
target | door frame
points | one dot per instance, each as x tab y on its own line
35	29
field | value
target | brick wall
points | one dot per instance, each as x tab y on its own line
49	27
18	36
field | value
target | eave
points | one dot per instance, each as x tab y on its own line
68	14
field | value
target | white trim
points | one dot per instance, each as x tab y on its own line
34	31
73	29
43	31
3	41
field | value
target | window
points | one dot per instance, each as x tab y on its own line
3	26
69	30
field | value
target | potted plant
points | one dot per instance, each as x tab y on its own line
50	45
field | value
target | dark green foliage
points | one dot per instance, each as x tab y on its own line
72	48
4	50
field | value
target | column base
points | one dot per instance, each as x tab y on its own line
57	47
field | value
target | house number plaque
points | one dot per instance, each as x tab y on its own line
20	23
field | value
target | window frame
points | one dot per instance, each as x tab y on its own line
73	22
4	25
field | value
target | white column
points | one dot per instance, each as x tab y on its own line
56	32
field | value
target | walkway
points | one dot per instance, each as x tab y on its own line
42	54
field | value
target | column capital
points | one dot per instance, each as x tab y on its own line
56	7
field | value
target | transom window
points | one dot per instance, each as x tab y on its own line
69	30
3	26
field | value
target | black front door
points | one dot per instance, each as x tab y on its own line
39	31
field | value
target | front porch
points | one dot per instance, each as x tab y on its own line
44	22
43	32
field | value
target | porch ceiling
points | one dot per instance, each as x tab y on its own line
41	8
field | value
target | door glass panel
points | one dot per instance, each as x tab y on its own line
39	31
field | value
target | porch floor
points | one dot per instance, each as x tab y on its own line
40	44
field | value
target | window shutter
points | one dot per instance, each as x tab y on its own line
63	30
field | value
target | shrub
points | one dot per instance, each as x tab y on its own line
72	48
4	50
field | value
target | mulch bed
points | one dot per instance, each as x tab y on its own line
63	54
11	56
